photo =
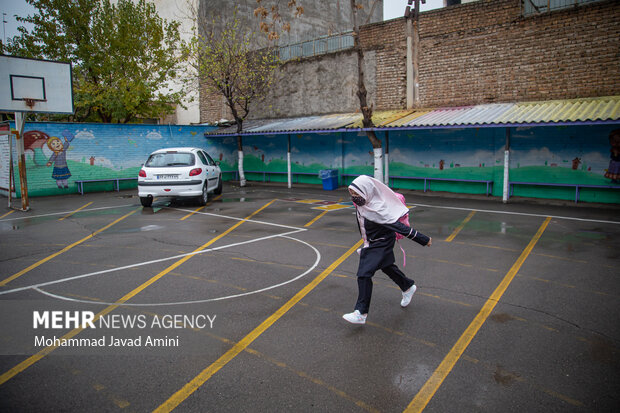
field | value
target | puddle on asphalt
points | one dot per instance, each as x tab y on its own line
233	200
9	227
150	210
142	229
15	225
594	234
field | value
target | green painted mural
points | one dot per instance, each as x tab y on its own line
585	155
58	154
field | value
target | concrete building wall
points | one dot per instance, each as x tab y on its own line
184	12
299	89
319	18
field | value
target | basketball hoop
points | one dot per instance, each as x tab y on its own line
29	102
32	85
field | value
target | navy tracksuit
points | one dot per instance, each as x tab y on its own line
379	255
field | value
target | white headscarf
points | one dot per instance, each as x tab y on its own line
382	205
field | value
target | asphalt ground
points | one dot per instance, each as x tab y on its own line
238	306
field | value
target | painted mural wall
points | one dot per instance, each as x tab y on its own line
57	154
549	154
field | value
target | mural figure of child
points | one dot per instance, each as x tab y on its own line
61	171
613	171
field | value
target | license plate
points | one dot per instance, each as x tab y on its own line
167	176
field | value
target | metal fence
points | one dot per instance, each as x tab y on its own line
531	7
318	46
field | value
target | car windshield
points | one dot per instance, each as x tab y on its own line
170	159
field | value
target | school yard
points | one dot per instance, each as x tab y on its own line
238	306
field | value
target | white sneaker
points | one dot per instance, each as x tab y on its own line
407	295
355	317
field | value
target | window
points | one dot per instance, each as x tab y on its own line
210	160
159	160
533	7
201	155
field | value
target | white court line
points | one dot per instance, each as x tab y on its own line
176	209
520	213
140	264
66	212
234	218
285	226
206	300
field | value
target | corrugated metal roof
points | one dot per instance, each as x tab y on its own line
573	110
248	124
466	115
381	118
323	122
556	111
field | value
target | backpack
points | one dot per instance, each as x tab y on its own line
405	218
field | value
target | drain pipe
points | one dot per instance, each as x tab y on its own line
506	194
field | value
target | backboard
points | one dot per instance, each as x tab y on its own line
34	85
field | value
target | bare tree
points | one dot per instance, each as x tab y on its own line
362	94
227	64
271	21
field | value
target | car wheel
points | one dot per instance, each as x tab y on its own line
218	190
146	201
202	201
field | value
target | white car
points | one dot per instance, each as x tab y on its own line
179	173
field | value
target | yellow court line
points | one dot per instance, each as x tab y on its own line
8	213
318	216
460	227
192	213
309	201
71	213
431	386
199	209
44	352
189	388
65	249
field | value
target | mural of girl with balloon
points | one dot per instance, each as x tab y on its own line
61	171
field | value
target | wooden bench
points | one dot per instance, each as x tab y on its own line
511	185
80	183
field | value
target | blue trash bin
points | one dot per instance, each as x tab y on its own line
329	178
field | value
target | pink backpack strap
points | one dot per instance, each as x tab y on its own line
404	255
403	220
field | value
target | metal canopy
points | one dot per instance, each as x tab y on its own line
584	111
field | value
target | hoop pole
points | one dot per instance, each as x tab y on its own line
20	121
11	177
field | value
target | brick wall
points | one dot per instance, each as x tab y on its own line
486	52
389	42
213	107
